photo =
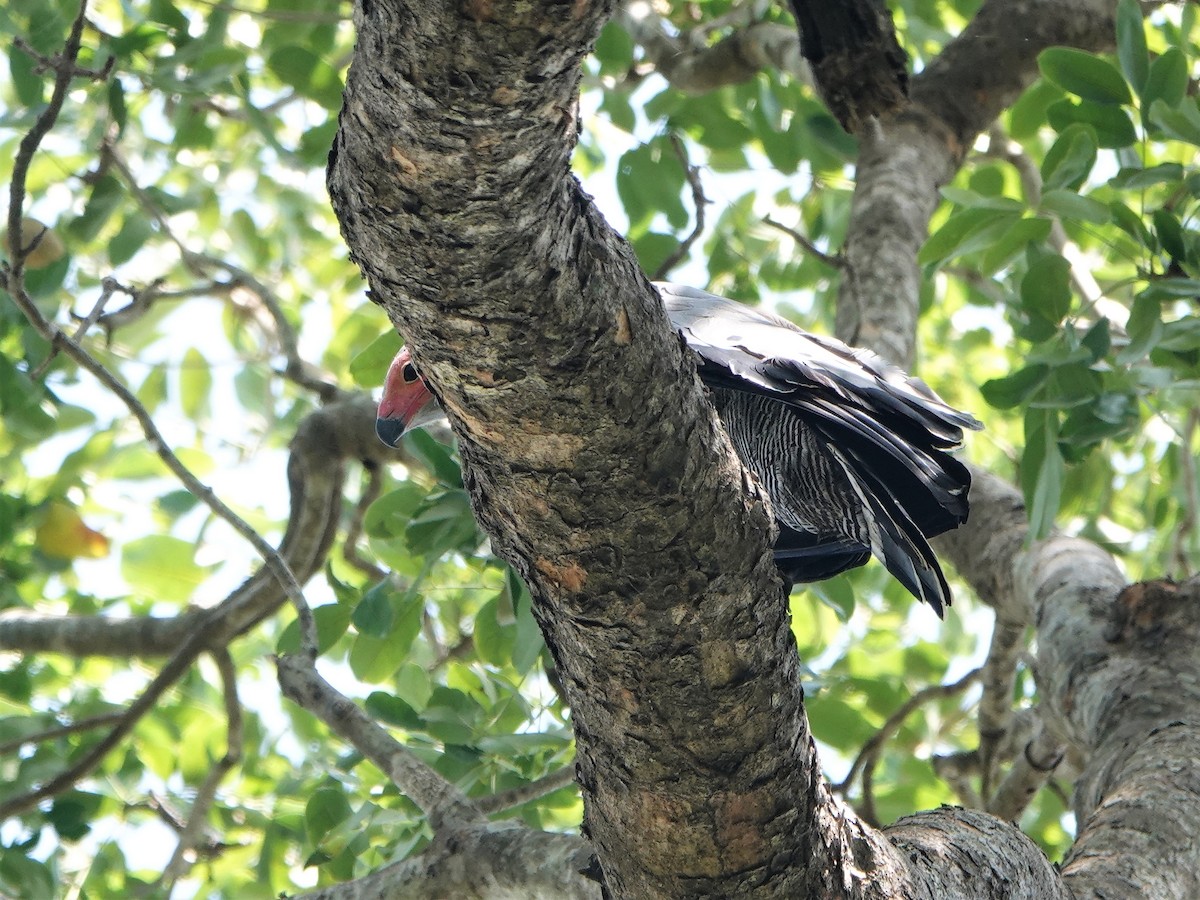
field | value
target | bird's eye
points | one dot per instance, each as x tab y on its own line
409	373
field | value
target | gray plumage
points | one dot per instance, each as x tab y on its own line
851	450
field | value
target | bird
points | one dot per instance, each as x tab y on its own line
852	451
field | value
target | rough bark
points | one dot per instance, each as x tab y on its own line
592	459
856	61
600	473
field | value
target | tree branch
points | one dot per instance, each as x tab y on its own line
690	63
441	801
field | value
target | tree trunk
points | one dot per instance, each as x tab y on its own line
602	474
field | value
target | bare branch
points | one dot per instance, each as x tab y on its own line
1027	776
957	770
441	801
834	260
193	830
699	202
64	74
996	705
690	63
354	530
547	784
50	734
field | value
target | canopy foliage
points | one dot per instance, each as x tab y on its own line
193	253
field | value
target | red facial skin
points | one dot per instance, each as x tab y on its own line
406	402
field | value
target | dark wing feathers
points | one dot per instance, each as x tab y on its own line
889	431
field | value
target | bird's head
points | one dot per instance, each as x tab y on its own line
407	401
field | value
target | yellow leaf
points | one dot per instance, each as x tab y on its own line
63	535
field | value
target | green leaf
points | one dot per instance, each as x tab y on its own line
374	614
1025	231
162	568
1028	115
106	196
332	620
1014	389
437	457
1181	122
1170	233
1112	124
493	640
1172	288
373	659
369	366
326	807
1136	179
972	199
650	181
28	83
1042	471
450	716
153	390
1070	159
413	685
1046	288
1145	327
310	75
393	710
1131	43
1098	339
837	722
388	516
70	814
195	382
1084	74
837	594
614	50
965	232
1070	205
116	104
1131	223
135	231
1167	81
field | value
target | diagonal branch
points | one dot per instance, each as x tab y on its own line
441	801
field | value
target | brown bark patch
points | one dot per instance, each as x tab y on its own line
479	10
505	95
740	818
624	333
407	166
570	577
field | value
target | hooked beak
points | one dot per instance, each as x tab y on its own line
407	401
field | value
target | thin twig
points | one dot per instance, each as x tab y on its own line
956	770
64	75
190	835
1029	773
167	676
98	721
354	530
868	757
996	704
699	202
296	369
835	261
540	787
